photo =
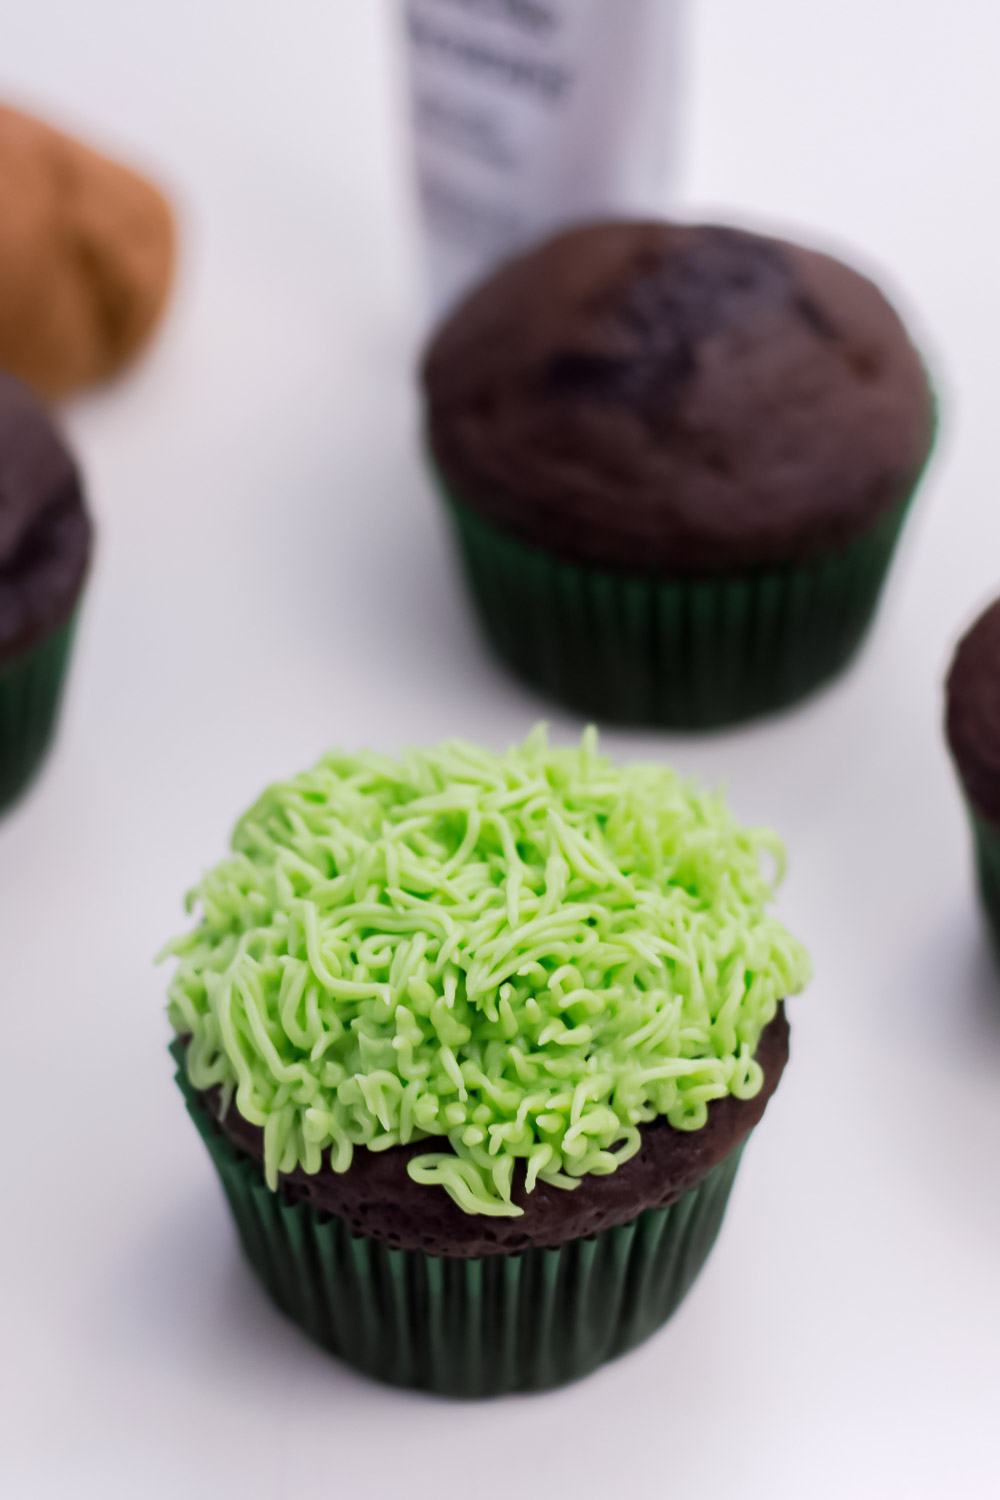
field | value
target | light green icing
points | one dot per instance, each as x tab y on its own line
525	955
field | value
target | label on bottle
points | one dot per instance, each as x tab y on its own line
534	114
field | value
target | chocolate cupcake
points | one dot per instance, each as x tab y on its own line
677	459
45	539
973	728
475	1042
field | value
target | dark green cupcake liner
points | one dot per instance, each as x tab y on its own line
467	1327
30	695
986	840
682	653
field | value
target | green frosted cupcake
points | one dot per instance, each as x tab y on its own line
475	1042
973	730
677	460
45	540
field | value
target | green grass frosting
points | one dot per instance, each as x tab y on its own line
513	957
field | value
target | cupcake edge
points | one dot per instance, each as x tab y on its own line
377	1198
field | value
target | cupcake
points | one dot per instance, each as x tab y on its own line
973	729
45	539
677	460
475	1042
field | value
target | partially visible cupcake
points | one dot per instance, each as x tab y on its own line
677	459
45	540
475	1042
972	723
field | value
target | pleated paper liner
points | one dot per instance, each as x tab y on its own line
462	1327
30	695
986	840
681	653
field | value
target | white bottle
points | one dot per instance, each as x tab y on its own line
532	114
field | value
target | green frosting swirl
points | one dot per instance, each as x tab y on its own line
523	955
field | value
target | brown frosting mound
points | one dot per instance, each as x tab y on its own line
973	713
378	1198
677	399
45	532
86	254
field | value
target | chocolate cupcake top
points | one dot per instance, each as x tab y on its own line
674	398
973	713
379	1199
519	961
45	532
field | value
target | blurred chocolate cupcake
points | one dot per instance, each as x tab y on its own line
973	728
677	459
45	539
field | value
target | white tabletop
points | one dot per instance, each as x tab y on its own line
272	576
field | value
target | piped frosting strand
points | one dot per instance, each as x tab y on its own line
525	956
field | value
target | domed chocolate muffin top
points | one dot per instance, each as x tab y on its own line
973	712
44	527
679	399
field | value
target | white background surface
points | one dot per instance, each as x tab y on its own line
272	576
